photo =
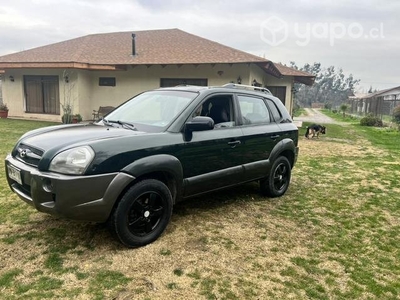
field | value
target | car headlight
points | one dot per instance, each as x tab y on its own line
72	161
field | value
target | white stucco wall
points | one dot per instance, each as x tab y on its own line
1	93
87	95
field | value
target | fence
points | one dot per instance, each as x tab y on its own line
377	106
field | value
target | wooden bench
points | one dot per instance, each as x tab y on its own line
102	111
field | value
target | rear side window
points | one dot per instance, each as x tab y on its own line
254	110
274	110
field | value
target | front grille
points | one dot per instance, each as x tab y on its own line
29	155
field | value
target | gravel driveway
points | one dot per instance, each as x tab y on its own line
315	116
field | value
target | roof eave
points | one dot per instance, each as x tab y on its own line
58	65
270	68
307	80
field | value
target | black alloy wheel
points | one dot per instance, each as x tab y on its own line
143	213
278	180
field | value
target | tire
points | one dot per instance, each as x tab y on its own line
277	182
142	214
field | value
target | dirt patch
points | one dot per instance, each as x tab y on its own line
325	147
315	116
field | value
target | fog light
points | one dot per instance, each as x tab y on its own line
47	185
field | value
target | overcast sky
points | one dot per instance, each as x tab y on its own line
362	37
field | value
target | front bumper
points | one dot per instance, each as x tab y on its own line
89	198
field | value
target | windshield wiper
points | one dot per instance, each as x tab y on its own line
106	122
127	125
124	124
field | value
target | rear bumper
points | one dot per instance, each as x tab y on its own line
89	198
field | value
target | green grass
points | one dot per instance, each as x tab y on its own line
298	112
334	235
339	116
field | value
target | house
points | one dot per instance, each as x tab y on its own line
378	103
107	69
1	94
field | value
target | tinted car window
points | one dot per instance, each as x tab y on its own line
219	108
274	110
254	110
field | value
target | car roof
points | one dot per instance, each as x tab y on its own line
230	87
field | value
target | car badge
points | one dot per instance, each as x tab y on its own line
22	153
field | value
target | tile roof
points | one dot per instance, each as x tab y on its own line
379	93
288	71
299	76
169	46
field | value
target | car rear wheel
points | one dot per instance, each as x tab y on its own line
277	182
143	213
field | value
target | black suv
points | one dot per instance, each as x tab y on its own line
156	149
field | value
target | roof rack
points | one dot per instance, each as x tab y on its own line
247	87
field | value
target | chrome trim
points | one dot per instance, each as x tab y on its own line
21	194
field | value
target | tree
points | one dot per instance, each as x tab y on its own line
332	87
343	109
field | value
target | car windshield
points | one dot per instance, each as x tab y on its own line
151	111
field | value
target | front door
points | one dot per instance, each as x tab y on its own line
213	158
278	92
42	94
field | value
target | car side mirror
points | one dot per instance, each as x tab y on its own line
198	124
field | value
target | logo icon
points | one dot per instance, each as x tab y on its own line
22	152
274	31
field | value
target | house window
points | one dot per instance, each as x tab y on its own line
107	81
170	82
42	94
279	92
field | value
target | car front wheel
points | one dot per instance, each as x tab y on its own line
277	182
143	213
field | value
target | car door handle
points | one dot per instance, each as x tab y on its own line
274	137
233	144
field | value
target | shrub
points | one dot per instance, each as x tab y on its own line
3	107
334	111
396	114
343	109
66	118
76	118
371	120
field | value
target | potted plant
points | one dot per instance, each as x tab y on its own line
3	111
76	118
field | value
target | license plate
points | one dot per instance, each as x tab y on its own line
14	174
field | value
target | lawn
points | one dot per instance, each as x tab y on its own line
334	235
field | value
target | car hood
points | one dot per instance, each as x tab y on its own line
68	136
